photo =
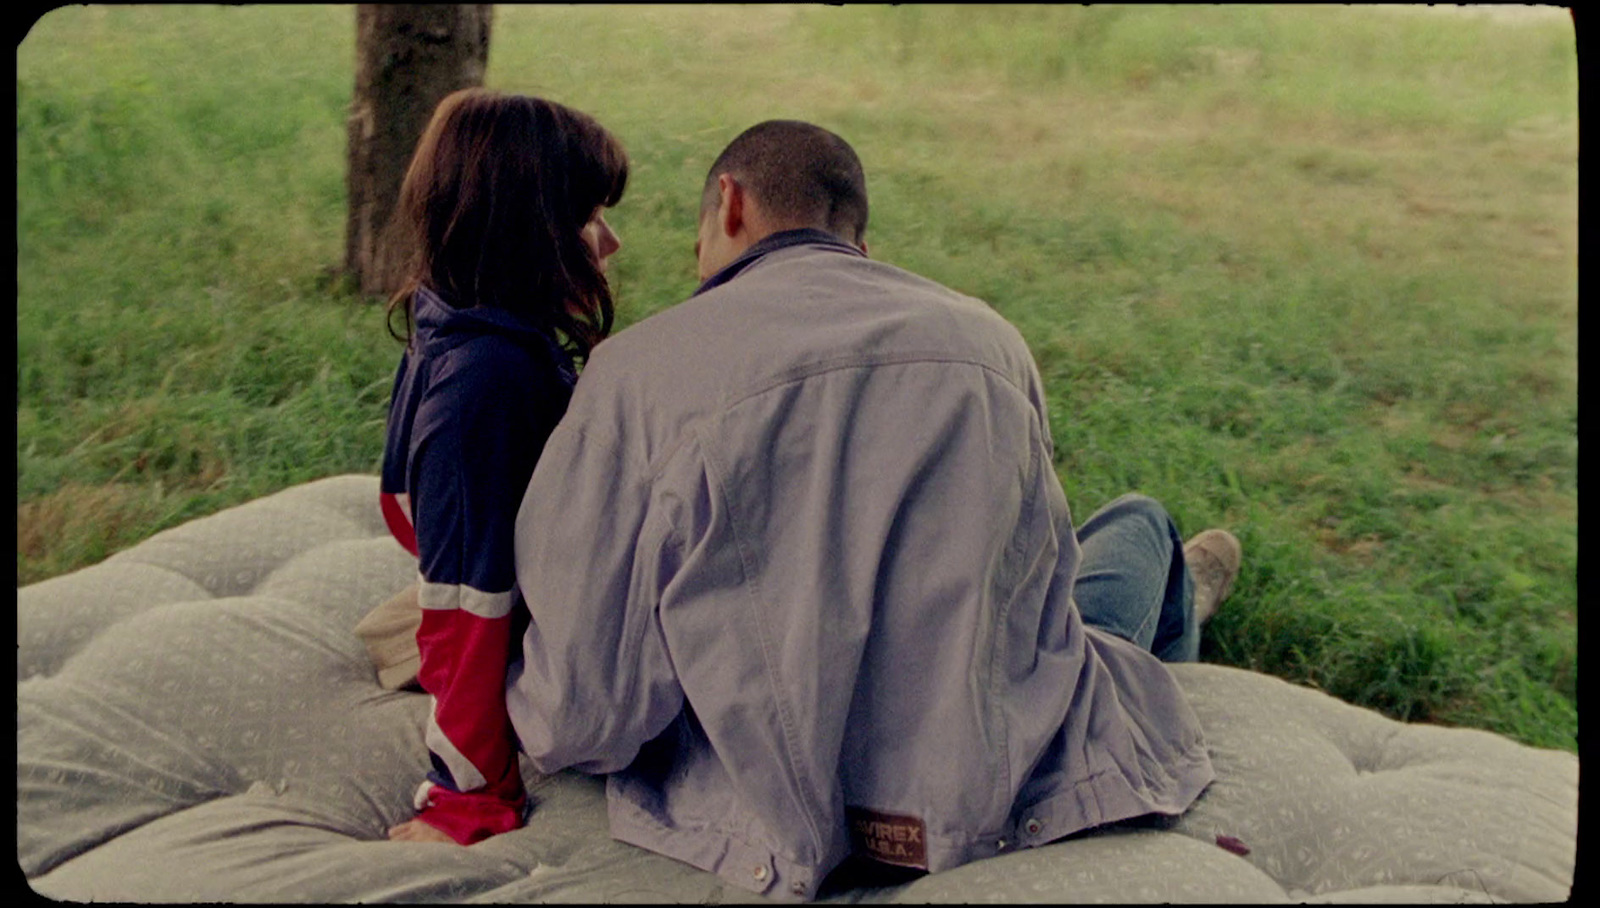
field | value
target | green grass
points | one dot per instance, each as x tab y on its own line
1308	272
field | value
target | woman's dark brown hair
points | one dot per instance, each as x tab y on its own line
492	206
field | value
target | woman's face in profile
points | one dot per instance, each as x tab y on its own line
600	237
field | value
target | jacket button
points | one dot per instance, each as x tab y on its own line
760	873
1033	826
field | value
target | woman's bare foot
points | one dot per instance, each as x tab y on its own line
417	831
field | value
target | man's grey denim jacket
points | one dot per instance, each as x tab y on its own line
800	574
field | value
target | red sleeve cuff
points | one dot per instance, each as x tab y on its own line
473	816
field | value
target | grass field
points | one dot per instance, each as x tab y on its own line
1307	272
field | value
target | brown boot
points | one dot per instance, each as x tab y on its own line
1213	557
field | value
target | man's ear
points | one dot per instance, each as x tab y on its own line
731	212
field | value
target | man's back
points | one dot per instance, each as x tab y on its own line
849	568
804	309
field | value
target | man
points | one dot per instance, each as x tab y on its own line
802	576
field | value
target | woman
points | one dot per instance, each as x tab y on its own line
503	210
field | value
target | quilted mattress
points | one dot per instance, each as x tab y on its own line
196	722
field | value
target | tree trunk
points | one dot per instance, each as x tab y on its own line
407	59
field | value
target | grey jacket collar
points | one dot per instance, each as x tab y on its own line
783	239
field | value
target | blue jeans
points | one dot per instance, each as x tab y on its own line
1132	579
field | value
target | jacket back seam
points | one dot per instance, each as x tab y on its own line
800	776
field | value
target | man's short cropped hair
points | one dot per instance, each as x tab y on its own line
801	174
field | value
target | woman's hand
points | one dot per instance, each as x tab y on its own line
417	831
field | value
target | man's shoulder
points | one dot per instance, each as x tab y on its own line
656	337
795	306
898	282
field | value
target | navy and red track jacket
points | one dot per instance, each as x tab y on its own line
477	394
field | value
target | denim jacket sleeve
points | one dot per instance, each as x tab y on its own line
595	682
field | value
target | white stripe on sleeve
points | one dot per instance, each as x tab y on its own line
466	776
445	596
